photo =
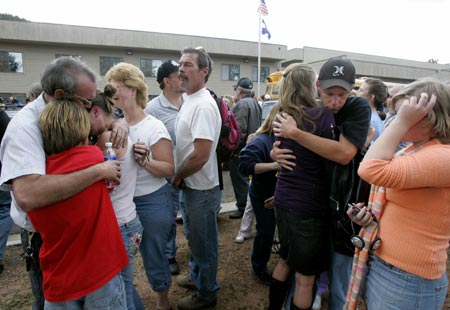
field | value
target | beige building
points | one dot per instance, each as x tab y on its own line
27	47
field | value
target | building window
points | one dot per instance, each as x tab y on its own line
11	62
265	71
107	62
150	66
67	55
231	72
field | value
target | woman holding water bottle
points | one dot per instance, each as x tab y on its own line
153	152
101	118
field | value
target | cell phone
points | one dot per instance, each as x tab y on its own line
355	208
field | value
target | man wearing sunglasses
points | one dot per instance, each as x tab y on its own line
23	158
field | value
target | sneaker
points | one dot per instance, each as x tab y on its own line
264	277
179	220
241	237
173	266
2	267
185	281
194	302
317	303
238	214
276	246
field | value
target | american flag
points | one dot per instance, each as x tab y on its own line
263	8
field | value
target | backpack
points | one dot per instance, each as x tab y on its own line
230	135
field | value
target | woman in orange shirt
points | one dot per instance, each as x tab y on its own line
408	270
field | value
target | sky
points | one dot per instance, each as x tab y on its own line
407	29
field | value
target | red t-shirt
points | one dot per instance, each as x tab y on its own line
82	246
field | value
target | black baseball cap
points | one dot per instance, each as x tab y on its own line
244	83
165	69
337	72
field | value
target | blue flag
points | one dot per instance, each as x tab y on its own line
265	30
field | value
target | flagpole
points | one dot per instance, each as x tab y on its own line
259	53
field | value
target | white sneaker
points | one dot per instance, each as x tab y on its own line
240	238
317	303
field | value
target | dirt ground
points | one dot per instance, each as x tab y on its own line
239	289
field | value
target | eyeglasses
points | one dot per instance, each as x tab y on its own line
87	103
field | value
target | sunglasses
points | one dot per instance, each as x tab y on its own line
87	103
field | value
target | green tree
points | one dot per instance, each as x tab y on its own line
6	16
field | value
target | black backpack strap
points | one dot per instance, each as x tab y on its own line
219	170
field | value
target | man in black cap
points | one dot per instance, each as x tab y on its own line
165	107
248	116
352	116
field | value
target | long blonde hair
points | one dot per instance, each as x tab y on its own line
297	91
266	127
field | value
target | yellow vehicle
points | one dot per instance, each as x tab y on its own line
272	87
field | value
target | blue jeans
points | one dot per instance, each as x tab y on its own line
239	182
156	215
201	207
175	197
132	236
111	296
339	279
5	226
265	230
388	287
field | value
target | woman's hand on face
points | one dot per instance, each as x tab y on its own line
412	110
284	125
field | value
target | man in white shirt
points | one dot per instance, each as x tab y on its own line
197	134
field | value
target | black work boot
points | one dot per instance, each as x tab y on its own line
277	293
294	307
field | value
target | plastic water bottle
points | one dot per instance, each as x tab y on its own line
109	154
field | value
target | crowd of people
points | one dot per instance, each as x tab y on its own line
352	187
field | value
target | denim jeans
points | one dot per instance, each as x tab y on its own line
132	236
156	216
388	287
339	279
111	296
201	207
34	271
240	183
265	230
5	226
247	219
175	197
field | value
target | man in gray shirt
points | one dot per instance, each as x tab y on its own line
165	107
248	115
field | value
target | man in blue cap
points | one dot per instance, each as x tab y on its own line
248	116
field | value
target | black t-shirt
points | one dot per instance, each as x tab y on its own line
353	121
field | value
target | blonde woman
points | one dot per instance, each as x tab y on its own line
408	270
79	233
153	152
301	194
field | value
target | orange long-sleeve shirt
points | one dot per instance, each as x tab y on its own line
415	222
